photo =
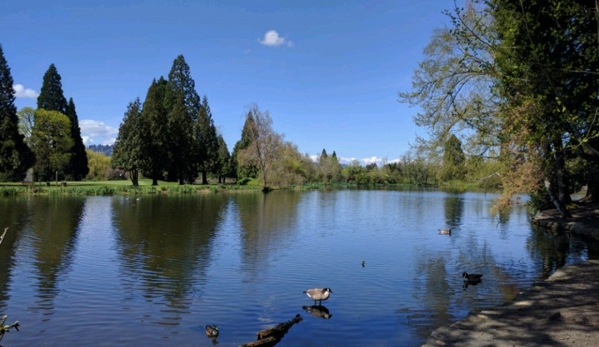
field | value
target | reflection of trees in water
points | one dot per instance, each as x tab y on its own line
434	291
54	225
439	287
454	210
165	241
552	251
14	213
267	220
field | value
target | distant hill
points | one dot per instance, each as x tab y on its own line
104	149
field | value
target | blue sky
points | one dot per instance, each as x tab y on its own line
327	71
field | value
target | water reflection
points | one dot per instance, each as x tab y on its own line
268	221
54	227
164	243
454	210
14	213
318	311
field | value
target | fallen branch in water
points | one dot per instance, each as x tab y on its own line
6	328
271	336
4	233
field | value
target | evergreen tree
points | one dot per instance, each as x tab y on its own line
182	116
155	135
223	165
128	149
51	97
181	148
208	142
78	165
15	155
247	170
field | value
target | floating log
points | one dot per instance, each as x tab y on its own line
271	336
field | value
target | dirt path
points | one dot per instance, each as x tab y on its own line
561	311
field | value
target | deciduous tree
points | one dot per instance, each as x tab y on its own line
52	144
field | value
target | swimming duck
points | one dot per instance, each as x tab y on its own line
211	330
472	277
445	231
318	294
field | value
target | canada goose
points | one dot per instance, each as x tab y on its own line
472	277
318	294
445	231
211	331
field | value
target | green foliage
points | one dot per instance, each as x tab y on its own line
26	119
207	141
246	169
540	200
51	97
98	165
154	136
52	144
77	168
183	104
15	155
128	147
453	161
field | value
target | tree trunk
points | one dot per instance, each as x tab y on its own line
134	175
560	168
558	205
204	177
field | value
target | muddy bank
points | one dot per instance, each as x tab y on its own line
560	311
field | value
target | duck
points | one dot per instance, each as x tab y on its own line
212	331
471	277
445	231
318	294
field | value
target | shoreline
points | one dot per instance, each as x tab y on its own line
561	311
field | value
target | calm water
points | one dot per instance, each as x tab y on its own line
116	271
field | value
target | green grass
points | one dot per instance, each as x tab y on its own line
108	188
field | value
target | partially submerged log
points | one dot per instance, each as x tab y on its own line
271	336
3	234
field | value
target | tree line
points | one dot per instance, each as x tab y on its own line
47	139
172	136
517	82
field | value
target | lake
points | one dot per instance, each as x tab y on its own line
153	271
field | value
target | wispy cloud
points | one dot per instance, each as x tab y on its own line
272	38
96	132
22	92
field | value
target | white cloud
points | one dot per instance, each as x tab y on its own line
272	38
93	132
22	92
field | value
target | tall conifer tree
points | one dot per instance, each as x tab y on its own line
182	117
51	97
78	164
155	133
128	148
208	142
15	156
